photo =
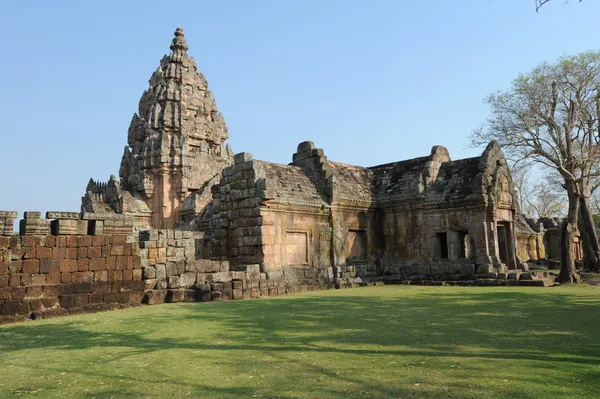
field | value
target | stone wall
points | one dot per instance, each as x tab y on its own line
45	276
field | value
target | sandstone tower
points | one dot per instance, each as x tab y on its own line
176	148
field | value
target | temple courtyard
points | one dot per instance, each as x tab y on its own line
371	342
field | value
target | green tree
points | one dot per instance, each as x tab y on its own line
549	117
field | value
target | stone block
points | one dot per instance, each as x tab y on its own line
485	268
174	282
161	271
204	296
149	272
175	295
153	297
242	157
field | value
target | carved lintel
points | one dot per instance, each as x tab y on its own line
62	215
8	215
32	215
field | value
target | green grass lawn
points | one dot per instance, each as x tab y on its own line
379	342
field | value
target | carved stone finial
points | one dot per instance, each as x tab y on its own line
179	42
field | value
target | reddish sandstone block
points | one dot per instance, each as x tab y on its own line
65	277
77	277
68	265
82	252
94	252
72	241
137	262
18	293
98	240
4	242
61	241
121	263
5	294
53	278
50	241
85	241
28	241
83	264
31	266
71	253
33	292
59	252
43	253
3	281
49	291
26	279
118	239
29	253
111	263
38	279
127	275
97	264
105	251
127	249
129	265
3	267
49	265
117	250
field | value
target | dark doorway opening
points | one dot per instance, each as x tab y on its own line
502	231
442	244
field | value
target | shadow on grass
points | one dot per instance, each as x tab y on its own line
545	326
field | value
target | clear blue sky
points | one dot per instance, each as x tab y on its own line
370	82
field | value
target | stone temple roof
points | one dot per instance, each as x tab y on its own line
289	185
434	179
454	181
352	183
398	180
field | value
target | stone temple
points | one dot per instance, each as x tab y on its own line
188	220
178	172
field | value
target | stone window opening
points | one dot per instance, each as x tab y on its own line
442	245
91	228
356	245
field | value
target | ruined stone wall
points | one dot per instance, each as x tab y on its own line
45	276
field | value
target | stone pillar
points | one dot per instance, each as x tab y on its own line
7	221
67	223
33	224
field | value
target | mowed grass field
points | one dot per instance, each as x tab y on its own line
376	342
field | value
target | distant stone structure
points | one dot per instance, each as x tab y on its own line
189	221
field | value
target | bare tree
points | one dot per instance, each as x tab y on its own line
541	199
549	117
540	3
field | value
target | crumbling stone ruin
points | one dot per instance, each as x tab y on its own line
189	221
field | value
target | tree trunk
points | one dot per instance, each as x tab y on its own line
568	272
589	237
